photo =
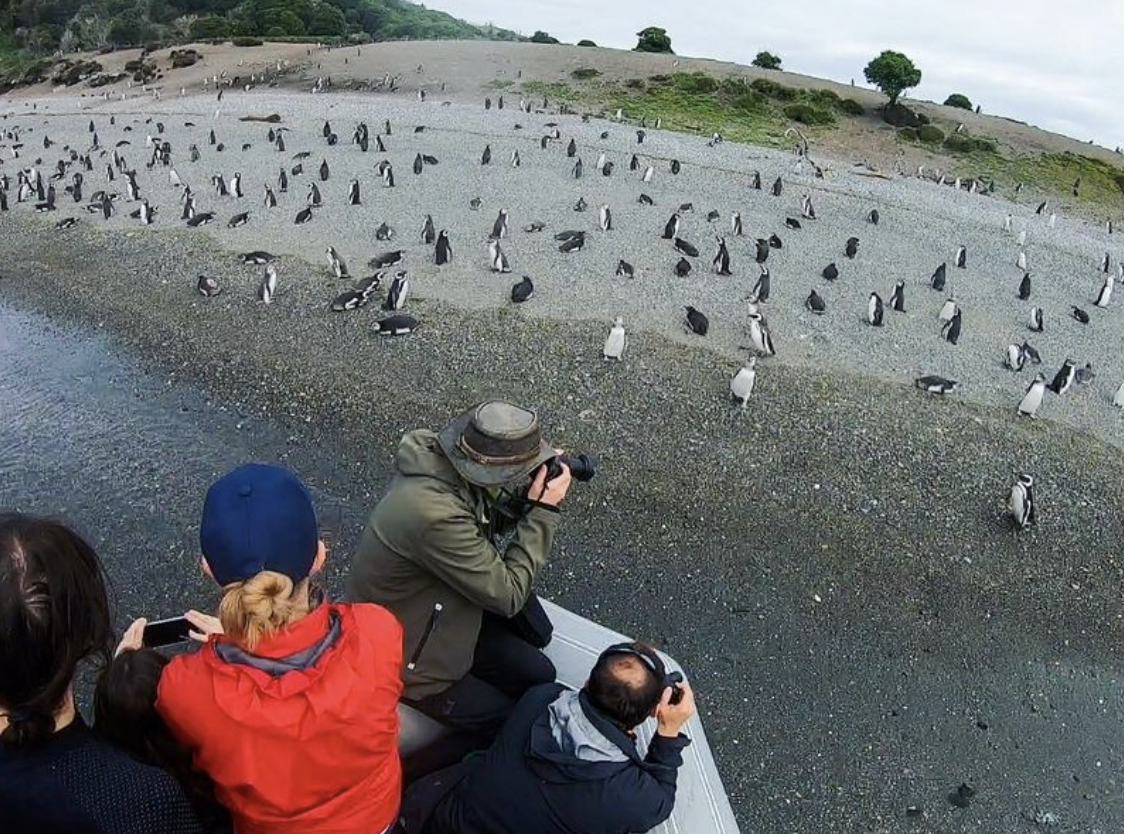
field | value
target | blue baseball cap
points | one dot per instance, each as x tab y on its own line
258	517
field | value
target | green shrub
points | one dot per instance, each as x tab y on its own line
635	83
959	100
248	41
585	73
962	143
653	39
824	98
930	134
807	114
695	83
660	79
922	119
543	37
773	90
767	60
586	42
851	107
909	134
749	102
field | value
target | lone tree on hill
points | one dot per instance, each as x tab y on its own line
892	73
653	39
767	60
585	42
542	37
958	100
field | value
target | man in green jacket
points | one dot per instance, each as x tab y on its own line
430	554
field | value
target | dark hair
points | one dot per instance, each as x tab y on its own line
54	613
125	715
616	689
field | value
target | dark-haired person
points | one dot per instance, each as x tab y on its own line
566	762
291	707
125	716
55	774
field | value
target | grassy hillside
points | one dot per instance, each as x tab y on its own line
41	26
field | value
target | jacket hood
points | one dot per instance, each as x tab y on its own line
419	453
572	742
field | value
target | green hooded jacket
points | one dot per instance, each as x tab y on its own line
427	556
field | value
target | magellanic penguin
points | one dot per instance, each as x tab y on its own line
428	232
486	157
1032	399
1064	378
497	258
815	303
697	322
721	262
671	228
1020	503
499	228
873	217
240	219
303	216
606	219
1024	287
523	290
897	298
874	310
778	187
761	254
951	329
207	286
961	257
1118	400
762	288
736	224
830	272
624	268
1036	323
616	341
396	295
444	250
935	384
741	386
1105	295
682	268
576	172
940	274
1079	315
268	286
852	247
1015	359
270	200
336	263
353	197
760	336
397	325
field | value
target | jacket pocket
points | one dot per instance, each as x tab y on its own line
430	627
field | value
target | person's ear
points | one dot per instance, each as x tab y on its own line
321	558
206	568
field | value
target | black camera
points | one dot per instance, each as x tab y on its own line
675	681
582	467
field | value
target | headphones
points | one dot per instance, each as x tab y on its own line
654	663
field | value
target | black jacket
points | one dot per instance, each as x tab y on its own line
527	783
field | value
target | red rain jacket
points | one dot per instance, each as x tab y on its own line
311	751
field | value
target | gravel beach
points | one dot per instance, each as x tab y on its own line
832	566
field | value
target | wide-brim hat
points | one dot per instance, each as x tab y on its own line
495	443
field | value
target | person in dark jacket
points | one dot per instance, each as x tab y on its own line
433	553
566	762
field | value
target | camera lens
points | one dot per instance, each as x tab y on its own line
582	467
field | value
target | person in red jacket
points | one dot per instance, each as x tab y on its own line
291	706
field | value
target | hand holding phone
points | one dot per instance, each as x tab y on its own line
169	632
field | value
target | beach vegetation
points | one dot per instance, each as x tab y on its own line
653	39
543	37
585	73
893	73
767	60
959	100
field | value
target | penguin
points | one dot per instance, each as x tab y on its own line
486	157
574	243
1035	323
671	228
324	170
1064	378
807	210
268	286
536	226
1015	359
571	149
207	286
684	247
778	187
697	322
762	253
1032	399
397	325
1042	207
314	198
1021	240
601	160
760	336
935	384
201	219
283	181
624	268
606	219
499	228
515	159
353	197
741	386
475	203
755	183
961	258
1007	222
240	219
380	146
721	262
428	232
873	217
258	258
830	272
762	288
645	200
1024	287
682	268
444	252
874	310
649	172
146	214
396	295
336	263
67	223
951	329
386	260
736	224
1079	315
1105	295
576	172
270	198
581	205
815	303
418	165
675	167
1031	353
937	282
616	341
1106	264
523	290
303	216
1118	399
1020	503
497	258
236	185
852	248
1085	374
349	300
897	298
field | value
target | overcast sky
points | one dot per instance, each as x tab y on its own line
1054	64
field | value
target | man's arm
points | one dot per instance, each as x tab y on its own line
665	757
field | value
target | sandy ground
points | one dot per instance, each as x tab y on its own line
833	565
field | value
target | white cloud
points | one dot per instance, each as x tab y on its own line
1032	60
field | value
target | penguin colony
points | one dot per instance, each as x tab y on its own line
703	245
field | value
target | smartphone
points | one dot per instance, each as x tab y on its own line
169	632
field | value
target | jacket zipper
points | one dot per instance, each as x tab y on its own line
429	628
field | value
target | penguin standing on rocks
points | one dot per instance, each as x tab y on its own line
762	253
741	386
1020	503
444	250
577	170
721	262
523	290
815	303
852	248
499	228
897	298
1035	323
1015	359
961	257
1064	378
736	224
762	288
940	275
830	272
1032	399
625	269
671	228
1024	287
874	217
1105	295
497	258
353	198
616	341
874	310
396	295
236	185
697	322
606	219
428	232
283	181
486	157
336	263
270	200
388	175
760	336
951	329
324	172
268	286
778	187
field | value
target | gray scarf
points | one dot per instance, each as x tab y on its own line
575	734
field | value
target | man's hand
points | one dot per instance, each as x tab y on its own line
670	717
205	625
133	638
553	492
